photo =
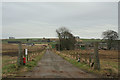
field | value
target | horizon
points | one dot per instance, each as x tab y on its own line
45	37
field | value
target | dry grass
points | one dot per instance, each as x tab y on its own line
108	60
14	47
103	54
10	54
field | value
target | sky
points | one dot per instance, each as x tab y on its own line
0	21
41	19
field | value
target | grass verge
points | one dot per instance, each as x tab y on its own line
34	61
102	73
12	70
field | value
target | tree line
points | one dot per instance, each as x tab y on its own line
67	40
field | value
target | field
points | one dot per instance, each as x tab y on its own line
108	58
32	40
90	40
10	55
108	61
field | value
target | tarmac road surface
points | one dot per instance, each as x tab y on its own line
53	66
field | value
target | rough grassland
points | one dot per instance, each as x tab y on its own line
9	59
108	61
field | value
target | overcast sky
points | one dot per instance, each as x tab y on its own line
38	19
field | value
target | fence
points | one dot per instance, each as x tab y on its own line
15	51
87	54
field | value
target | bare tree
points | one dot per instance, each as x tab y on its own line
110	36
66	39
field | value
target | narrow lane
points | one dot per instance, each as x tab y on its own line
53	66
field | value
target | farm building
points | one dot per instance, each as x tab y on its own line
11	37
30	44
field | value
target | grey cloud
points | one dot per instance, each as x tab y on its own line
42	19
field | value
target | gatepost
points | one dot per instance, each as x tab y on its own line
26	54
20	53
96	57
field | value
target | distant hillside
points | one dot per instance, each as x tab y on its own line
32	40
90	40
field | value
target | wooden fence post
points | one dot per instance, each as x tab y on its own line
90	59
20	55
118	57
96	57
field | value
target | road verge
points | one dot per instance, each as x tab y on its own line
83	66
15	71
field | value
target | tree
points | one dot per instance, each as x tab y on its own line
66	39
27	40
110	36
